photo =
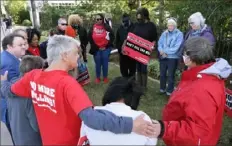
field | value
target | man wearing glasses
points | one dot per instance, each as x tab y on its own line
62	25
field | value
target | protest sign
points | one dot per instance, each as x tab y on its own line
228	106
138	48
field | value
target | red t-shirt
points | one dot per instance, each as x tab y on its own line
57	99
99	36
34	51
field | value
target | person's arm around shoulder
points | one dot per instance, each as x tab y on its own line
23	86
101	119
150	141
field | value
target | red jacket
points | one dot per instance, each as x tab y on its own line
194	113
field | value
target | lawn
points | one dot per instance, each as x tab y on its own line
152	103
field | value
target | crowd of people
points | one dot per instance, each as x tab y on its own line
42	102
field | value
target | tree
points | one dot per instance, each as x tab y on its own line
14	8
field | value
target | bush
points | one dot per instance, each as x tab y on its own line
154	69
26	22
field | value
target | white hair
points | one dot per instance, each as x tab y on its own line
197	19
59	44
172	21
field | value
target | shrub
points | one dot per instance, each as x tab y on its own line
153	69
26	22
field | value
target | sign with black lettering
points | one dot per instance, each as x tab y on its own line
228	106
138	48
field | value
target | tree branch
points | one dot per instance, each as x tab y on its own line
146	2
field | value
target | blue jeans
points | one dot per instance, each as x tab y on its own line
101	59
168	65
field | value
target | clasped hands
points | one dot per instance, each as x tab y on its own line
164	55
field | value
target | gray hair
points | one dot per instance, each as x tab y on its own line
60	20
16	31
59	44
199	50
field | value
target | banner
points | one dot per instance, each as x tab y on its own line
228	106
138	48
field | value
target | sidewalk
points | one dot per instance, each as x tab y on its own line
5	135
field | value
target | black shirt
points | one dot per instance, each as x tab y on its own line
146	31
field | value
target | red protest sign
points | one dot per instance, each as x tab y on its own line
228	106
138	48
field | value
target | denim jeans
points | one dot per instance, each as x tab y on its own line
168	65
101	59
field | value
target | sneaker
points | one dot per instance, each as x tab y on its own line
162	91
168	94
97	80
106	80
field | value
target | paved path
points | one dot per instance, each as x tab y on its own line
5	135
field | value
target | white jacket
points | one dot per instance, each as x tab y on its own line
96	137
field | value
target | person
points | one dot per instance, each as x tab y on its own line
168	46
199	28
22	117
43	45
22	32
14	48
145	29
127	64
61	26
116	100
33	41
76	30
61	103
101	38
194	113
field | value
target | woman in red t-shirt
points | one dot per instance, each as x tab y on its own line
101	38
33	40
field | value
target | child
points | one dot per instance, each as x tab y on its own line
22	117
118	100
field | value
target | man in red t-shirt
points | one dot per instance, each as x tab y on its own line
58	99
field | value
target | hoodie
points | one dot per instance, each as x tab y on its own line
194	113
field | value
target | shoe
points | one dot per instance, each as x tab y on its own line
97	80
162	92
106	80
168	94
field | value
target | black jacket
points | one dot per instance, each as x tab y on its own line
121	36
94	48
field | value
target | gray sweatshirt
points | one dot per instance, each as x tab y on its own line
22	119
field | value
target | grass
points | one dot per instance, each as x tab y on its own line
152	103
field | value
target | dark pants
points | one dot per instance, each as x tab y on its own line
101	59
170	66
141	68
127	66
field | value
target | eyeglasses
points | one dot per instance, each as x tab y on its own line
64	24
98	19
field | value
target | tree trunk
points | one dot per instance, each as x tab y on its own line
161	14
139	4
34	15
